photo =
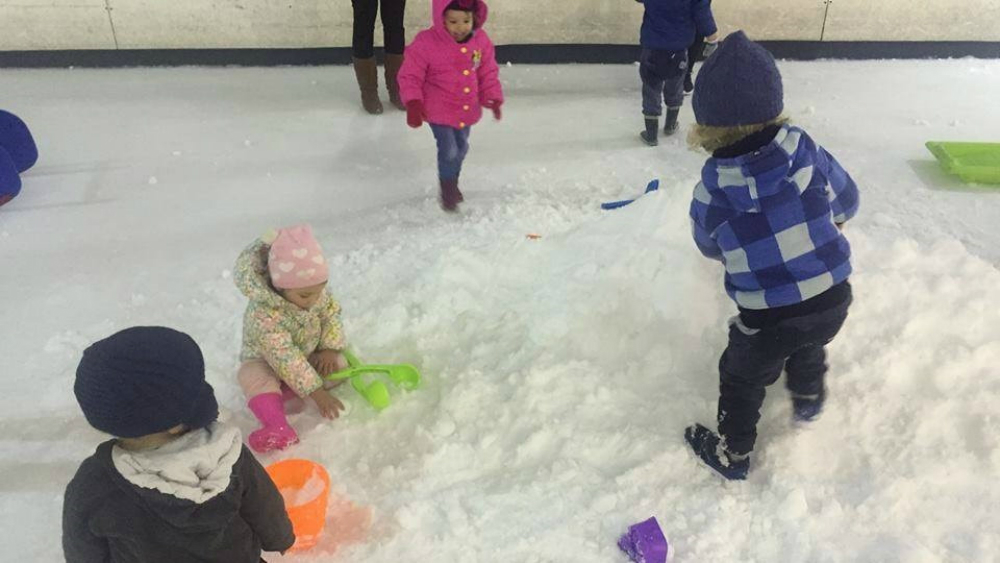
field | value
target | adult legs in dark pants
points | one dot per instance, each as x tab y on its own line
662	74
363	46
453	146
365	13
694	55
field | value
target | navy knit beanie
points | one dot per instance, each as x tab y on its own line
738	85
144	380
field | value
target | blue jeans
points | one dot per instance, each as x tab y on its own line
662	74
453	145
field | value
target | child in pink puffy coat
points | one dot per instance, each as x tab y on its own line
449	74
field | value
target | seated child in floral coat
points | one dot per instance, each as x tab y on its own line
292	335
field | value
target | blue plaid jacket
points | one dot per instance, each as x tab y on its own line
771	217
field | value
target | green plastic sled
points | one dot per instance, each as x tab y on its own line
974	163
375	391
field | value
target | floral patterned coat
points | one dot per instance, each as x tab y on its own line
278	331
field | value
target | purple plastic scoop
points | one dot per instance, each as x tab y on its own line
644	542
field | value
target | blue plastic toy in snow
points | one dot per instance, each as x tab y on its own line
652	186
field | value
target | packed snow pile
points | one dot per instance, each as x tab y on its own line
559	370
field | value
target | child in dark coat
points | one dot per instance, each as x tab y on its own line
770	207
669	28
175	486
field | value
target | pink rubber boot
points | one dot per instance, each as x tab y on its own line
275	434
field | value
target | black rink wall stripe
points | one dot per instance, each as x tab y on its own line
518	54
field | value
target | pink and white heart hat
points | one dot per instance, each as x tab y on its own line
296	259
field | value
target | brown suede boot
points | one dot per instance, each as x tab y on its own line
392	65
450	195
367	73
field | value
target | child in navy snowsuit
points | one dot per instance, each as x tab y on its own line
770	206
669	28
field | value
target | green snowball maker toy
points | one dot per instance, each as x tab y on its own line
374	390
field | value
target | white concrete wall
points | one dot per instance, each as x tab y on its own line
106	24
772	19
912	20
55	24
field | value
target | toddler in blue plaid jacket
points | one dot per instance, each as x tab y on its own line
770	207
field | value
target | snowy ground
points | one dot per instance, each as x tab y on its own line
560	372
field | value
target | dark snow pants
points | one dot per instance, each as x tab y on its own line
662	74
755	359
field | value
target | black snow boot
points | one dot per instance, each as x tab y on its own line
670	127
649	136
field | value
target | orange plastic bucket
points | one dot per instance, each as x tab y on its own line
305	487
